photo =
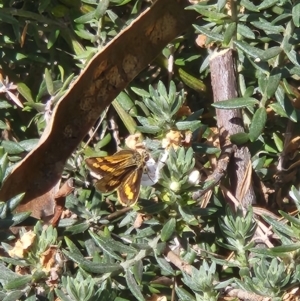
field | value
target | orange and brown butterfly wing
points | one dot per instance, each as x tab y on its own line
111	182
129	190
107	165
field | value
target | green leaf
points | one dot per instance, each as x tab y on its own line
188	125
278	142
214	36
29	144
267	27
191	81
49	82
236	103
208	13
229	33
18	282
277	108
168	229
101	9
183	294
12	148
92	267
126	103
285	103
86	18
270	53
128	121
286	248
273	82
25	92
249	5
257	124
245	31
13	296
165	266
132	285
52	38
15	201
266	4
239	138
296	14
248	49
140	92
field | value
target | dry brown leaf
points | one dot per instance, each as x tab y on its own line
172	139
22	245
47	259
134	141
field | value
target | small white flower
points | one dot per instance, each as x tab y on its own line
175	186
194	177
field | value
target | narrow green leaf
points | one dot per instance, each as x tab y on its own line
277	108
168	229
229	33
52	38
20	217
49	82
257	124
18	282
25	92
140	92
245	31
149	129
236	103
283	228
290	218
126	103
85	18
92	267
188	125
192	81
15	201
29	144
105	245
128	121
183	294
208	13
273	82
214	36
100	268
73	248
278	142
270	53
239	138
249	5
248	49
267	3
134	288
165	266
267	27
13	296
101	9
296	14
286	248
285	103
12	148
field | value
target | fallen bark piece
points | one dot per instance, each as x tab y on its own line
104	78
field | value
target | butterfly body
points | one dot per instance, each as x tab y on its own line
122	172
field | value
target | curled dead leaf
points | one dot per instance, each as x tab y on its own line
22	245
